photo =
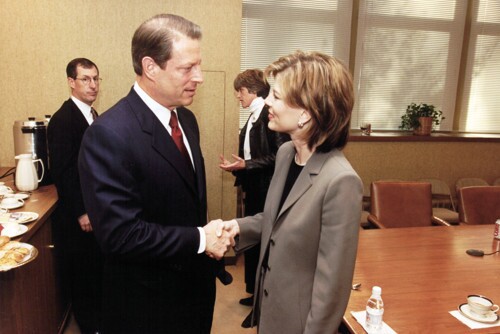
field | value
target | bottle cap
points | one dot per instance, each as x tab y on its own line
376	290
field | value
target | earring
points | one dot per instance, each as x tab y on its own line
300	124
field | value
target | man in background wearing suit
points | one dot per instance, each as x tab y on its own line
144	186
81	258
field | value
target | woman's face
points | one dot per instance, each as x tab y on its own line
245	97
282	117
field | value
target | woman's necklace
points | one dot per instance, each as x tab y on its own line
297	161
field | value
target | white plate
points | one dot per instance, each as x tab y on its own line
13	230
28	258
489	318
19	195
11	206
18	217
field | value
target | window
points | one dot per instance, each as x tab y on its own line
274	28
479	110
440	52
407	51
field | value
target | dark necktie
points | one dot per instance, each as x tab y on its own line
94	113
177	137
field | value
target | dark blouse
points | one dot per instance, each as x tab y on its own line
293	174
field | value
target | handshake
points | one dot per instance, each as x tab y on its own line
220	236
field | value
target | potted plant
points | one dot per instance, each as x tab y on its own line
421	118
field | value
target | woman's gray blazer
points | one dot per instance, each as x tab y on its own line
312	244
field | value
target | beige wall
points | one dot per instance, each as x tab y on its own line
413	160
38	39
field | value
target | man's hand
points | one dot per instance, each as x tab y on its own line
239	163
230	226
218	239
84	222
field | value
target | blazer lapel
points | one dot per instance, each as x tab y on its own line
278	182
304	181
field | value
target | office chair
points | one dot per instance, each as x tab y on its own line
402	204
443	205
479	205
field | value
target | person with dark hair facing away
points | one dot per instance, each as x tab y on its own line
254	164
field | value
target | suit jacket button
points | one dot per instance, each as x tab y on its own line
265	292
271	242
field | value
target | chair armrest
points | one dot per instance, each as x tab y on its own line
439	221
374	220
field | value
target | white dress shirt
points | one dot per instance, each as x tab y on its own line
255	109
163	115
84	108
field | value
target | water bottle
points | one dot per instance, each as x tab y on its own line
374	311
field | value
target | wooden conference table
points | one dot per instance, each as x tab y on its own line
424	273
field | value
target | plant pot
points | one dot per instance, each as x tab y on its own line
425	127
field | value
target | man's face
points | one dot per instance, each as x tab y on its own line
85	92
176	84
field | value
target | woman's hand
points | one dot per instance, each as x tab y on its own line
238	164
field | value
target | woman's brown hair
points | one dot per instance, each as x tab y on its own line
323	86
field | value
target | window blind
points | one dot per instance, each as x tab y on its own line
407	51
274	28
479	112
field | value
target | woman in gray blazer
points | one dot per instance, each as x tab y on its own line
309	227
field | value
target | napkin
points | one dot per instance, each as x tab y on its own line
471	323
361	318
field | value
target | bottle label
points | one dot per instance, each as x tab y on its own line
496	232
374	319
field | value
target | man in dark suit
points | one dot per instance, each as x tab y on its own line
144	186
75	242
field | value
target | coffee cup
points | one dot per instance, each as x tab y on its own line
8	202
5	190
481	305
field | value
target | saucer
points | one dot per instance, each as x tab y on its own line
488	318
18	195
11	206
18	217
13	230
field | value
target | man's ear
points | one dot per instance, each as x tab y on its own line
71	83
149	67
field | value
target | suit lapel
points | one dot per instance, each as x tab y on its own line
161	141
81	121
195	152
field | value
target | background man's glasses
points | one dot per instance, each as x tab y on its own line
86	81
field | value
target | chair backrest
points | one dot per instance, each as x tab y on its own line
402	204
469	182
441	194
479	205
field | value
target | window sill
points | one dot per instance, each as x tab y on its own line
438	136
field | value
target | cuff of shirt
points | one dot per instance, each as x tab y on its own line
203	240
